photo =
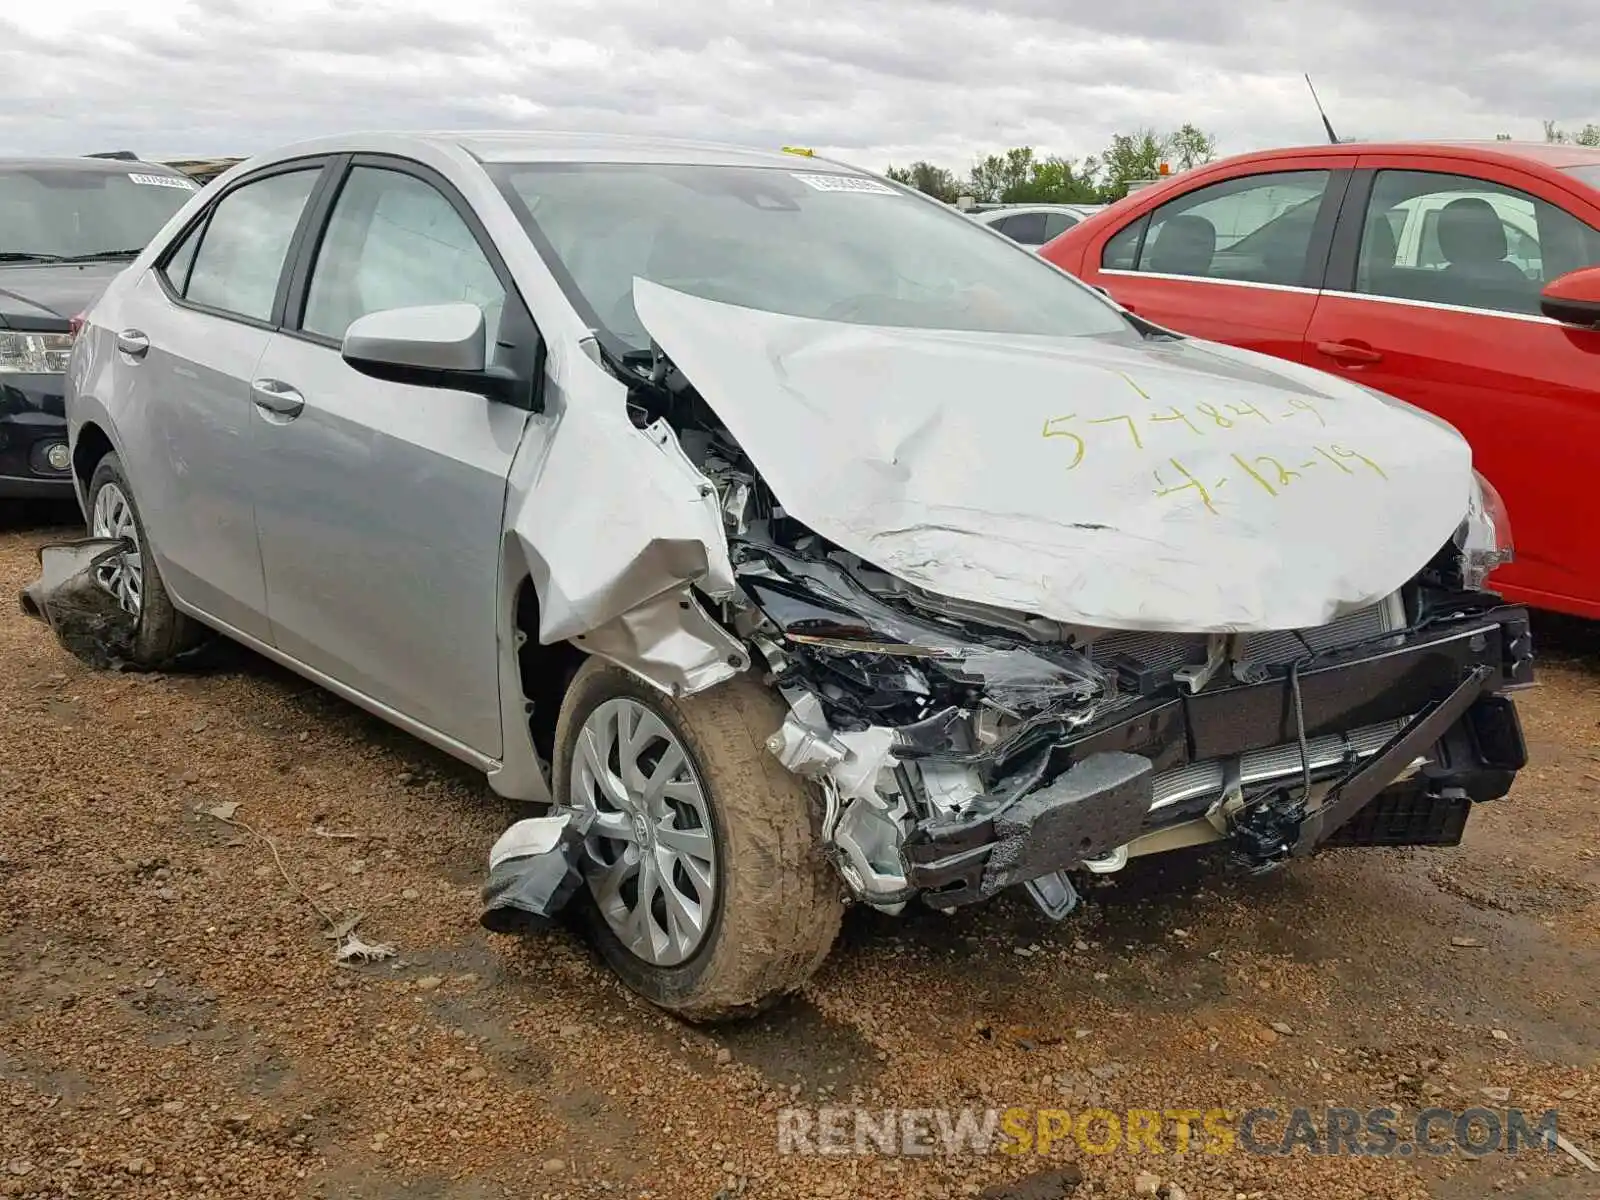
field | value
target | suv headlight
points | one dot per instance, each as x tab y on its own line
34	353
1483	539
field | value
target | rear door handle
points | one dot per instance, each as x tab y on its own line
133	343
1354	353
277	398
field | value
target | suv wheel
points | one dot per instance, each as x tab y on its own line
708	893
161	632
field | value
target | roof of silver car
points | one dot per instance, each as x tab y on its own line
528	145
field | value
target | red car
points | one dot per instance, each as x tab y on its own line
1461	277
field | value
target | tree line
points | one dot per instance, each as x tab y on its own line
1019	176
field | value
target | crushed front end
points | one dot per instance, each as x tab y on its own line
962	750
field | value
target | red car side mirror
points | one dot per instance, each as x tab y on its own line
1573	298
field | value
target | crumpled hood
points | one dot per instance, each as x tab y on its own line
1122	484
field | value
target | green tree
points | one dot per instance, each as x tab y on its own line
1130	156
997	175
1589	135
925	177
1189	147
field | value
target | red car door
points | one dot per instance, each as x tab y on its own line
1432	295
1233	255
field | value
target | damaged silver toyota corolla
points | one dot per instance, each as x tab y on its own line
799	539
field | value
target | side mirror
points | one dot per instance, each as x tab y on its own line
1573	298
434	345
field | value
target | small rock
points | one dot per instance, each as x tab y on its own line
304	736
140	1166
474	1075
570	1031
356	867
236	1121
172	1107
1146	1184
554	1166
410	894
724	1056
1173	1192
1080	945
1500	1035
1101	976
1283	1028
19	1166
1267	1037
1180	933
1498	1094
1465	943
429	983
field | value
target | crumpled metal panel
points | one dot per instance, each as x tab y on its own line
1164	486
672	642
615	525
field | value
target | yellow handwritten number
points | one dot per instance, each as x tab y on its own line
1056	427
1164	490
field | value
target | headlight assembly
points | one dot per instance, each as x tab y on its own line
1483	539
34	353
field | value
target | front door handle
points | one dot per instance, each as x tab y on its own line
133	343
1353	353
277	398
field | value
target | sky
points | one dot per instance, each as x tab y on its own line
871	81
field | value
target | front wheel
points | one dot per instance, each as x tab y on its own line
708	893
161	632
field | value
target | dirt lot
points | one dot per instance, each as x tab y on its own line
172	1022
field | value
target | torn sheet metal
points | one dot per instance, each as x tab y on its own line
671	641
1125	484
70	597
615	517
533	873
618	529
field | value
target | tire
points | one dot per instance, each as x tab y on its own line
162	632
776	907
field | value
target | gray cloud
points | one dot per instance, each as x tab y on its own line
872	80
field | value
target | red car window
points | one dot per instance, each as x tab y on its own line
1452	239
1255	229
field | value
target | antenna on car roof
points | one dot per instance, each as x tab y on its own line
1333	137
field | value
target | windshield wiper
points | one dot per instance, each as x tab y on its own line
94	255
28	256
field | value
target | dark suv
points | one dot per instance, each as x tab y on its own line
67	226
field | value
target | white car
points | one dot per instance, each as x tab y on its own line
793	537
1034	224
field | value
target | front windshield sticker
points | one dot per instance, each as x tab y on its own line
167	181
843	183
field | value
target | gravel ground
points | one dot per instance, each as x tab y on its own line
172	1023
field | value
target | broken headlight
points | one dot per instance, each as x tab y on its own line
1483	539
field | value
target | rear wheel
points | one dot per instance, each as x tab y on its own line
707	891
161	632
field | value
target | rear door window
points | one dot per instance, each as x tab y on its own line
1027	228
241	254
1256	229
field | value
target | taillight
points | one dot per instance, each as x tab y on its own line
75	326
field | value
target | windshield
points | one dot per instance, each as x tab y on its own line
805	242
75	212
1589	173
